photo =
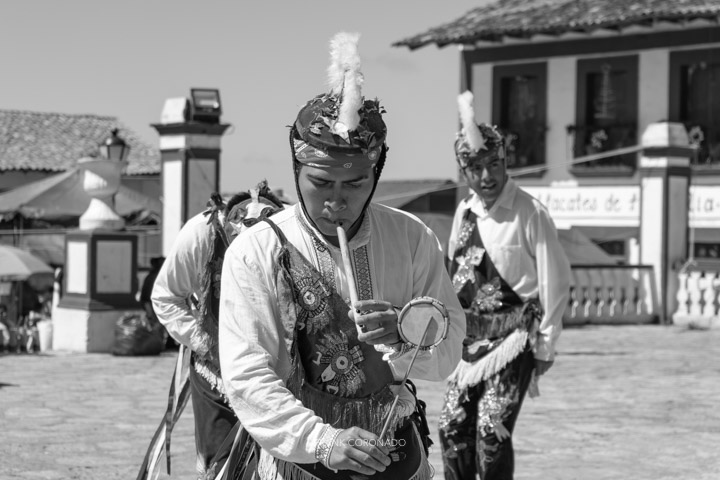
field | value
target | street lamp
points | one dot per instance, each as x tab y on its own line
115	148
101	181
100	259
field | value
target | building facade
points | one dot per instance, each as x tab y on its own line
567	80
36	145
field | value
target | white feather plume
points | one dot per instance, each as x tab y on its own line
345	80
467	118
255	208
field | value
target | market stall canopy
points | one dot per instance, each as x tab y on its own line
17	264
62	196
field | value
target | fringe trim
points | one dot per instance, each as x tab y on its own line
270	468
470	374
209	303
368	413
213	380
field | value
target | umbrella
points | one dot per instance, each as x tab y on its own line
16	264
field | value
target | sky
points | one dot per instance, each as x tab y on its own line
267	58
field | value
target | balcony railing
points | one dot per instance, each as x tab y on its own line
525	148
706	158
699	295
592	139
612	294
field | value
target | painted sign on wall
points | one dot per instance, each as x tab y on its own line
590	206
705	206
619	206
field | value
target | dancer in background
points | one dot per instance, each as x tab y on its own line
185	297
513	280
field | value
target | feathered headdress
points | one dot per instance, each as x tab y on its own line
341	127
247	208
470	130
475	140
345	80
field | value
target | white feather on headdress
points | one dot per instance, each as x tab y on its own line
255	208
345	80
473	136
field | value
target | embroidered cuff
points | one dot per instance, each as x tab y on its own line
325	444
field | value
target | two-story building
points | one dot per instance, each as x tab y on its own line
568	79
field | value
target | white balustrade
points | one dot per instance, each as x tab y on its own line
619	294
699	295
683	296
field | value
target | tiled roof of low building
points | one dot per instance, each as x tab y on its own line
526	18
55	141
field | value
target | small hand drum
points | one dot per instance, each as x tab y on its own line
423	323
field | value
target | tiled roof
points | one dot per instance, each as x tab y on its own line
55	141
525	18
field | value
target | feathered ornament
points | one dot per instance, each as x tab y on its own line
255	208
473	135
345	80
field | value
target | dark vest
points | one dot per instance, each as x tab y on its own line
492	308
344	381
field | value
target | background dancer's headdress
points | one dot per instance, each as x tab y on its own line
340	127
475	141
247	208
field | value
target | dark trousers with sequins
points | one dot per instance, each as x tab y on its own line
469	443
214	419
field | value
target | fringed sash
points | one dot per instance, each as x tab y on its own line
500	325
368	413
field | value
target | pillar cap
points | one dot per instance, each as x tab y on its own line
664	135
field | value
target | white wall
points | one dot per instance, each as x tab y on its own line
562	85
482	82
653	88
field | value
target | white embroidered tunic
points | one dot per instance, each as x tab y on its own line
181	278
396	258
521	240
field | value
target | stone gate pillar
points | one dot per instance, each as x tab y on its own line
664	195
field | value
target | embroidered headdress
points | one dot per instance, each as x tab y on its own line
340	127
475	141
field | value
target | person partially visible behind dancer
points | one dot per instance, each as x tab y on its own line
186	297
513	280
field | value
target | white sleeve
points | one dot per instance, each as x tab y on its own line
179	279
254	360
553	274
430	279
454	229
